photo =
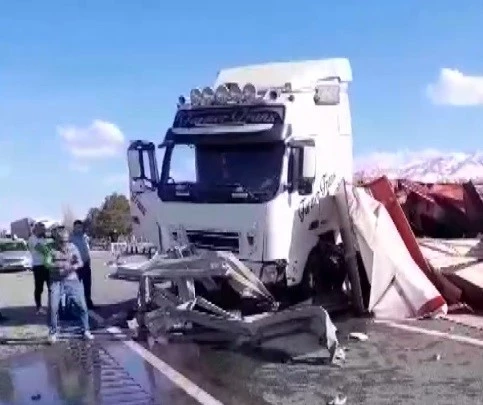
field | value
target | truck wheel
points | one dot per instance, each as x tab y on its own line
307	287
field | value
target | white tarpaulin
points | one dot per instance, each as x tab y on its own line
399	288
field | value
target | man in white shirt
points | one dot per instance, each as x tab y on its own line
37	243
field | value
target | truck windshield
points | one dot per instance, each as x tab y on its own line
241	173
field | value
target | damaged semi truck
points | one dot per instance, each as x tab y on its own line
254	166
252	201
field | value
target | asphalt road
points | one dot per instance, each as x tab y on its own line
410	362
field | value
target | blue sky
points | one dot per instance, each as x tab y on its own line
64	65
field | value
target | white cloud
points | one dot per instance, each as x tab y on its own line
456	88
392	160
98	140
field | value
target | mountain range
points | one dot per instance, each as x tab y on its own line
450	167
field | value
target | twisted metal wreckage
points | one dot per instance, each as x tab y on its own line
180	312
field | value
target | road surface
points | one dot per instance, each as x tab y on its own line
410	362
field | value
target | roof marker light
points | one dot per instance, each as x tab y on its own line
249	92
195	96
222	94
236	94
272	95
208	95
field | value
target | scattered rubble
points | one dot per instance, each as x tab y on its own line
339	399
362	337
179	313
448	210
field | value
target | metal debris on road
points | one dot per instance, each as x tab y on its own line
339	399
358	336
181	314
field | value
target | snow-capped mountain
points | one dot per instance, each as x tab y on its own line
447	167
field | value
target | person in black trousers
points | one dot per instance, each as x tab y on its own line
37	243
80	240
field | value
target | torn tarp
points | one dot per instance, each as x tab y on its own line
399	288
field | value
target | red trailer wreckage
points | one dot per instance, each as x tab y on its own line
442	228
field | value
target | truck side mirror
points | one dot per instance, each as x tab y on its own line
134	163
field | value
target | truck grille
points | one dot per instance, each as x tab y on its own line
228	241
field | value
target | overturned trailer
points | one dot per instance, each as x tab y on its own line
442	210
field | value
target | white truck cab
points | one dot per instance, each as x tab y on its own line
251	165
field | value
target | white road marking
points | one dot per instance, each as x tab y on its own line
432	332
177	378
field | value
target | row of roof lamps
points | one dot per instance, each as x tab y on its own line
231	93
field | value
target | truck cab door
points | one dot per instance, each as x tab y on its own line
304	205
143	186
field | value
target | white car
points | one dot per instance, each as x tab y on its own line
14	255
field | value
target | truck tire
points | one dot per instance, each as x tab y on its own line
308	286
